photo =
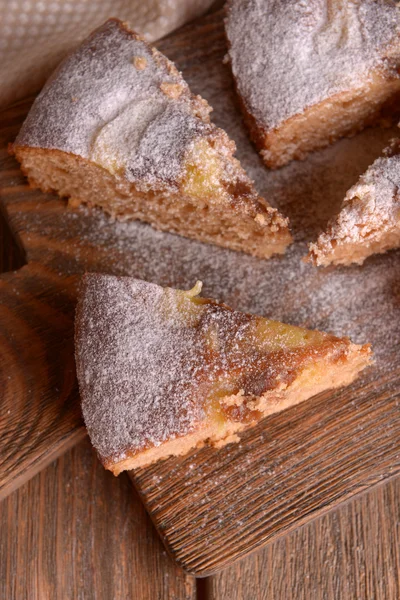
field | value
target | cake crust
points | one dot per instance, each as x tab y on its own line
309	73
369	219
98	95
162	371
118	114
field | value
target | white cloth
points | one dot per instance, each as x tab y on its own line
36	35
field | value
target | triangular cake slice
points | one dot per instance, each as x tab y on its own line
310	72
161	371
369	218
116	126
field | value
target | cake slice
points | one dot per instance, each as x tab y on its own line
310	72
116	126
369	219
162	371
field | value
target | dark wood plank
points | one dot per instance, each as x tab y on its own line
213	507
351	553
52	525
39	397
74	531
11	256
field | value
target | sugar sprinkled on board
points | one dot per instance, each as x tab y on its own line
361	302
344	301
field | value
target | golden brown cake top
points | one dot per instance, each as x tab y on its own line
153	362
287	56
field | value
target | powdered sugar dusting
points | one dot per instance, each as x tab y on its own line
287	56
132	358
361	302
372	206
151	362
344	301
100	106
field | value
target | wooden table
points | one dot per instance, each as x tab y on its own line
74	531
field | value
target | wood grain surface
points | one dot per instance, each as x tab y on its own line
38	370
353	553
74	531
210	507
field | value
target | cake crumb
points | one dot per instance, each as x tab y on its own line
234	399
260	219
140	62
172	90
74	202
231	439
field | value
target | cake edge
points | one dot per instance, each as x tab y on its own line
339	374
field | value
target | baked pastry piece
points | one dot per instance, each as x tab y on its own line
116	126
161	371
310	72
369	218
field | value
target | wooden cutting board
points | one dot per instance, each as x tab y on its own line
210	507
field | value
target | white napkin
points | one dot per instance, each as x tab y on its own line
36	35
